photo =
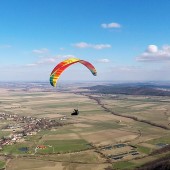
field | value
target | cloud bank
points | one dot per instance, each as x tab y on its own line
153	54
49	60
104	60
41	51
94	46
111	25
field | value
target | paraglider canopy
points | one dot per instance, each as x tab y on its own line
57	71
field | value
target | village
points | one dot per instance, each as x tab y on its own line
21	126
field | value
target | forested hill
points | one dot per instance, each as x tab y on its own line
135	89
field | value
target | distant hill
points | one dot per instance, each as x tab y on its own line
132	89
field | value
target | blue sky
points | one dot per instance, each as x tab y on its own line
125	39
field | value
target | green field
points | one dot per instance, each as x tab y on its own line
15	149
63	146
2	164
143	149
124	165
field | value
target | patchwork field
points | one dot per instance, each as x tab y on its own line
49	105
155	109
77	144
51	165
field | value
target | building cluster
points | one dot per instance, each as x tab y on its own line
119	151
21	126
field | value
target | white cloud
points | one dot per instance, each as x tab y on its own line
31	65
111	25
49	60
152	49
66	56
152	53
101	46
104	60
5	46
41	51
82	45
94	46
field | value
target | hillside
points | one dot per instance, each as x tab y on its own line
132	89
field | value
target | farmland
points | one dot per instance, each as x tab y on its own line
96	138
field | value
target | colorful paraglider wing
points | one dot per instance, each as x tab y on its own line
55	74
89	66
65	62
